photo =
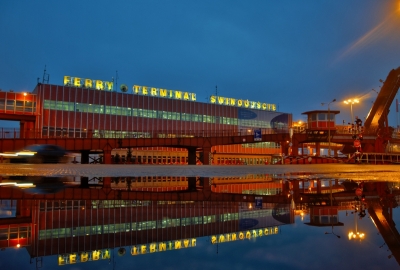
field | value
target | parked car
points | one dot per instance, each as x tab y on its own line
39	153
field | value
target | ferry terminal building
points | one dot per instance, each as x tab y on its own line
93	108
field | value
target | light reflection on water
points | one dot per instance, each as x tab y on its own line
119	234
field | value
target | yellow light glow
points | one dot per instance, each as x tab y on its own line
357	235
351	101
18	245
25	153
17	184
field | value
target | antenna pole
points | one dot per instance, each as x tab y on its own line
116	80
46	77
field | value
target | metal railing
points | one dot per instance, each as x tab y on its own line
380	158
14	133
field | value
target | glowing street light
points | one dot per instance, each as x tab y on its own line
356	235
338	236
351	102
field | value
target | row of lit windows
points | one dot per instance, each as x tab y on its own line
155	114
261	145
15	233
321	117
148	225
17	105
266	191
116	110
134	226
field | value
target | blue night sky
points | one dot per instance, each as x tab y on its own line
296	54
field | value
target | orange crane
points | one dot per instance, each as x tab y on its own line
376	122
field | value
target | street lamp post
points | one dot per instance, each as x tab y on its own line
351	102
329	126
338	236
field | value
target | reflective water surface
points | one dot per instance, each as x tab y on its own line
251	222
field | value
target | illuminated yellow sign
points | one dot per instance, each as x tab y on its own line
73	258
88	83
159	92
242	103
136	89
104	254
165	93
251	234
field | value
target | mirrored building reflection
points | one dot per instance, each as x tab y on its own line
79	231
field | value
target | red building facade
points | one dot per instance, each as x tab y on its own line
92	108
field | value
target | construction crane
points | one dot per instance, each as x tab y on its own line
376	122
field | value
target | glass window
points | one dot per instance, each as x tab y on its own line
313	117
321	116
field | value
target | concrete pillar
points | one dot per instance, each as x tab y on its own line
205	183
192	183
107	157
206	155
295	148
285	187
84	182
85	156
192	156
319	187
284	148
296	190
317	149
106	182
22	129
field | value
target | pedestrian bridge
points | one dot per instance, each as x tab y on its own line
190	140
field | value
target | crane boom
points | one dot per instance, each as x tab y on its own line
377	118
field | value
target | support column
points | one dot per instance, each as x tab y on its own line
191	155
84	182
106	182
319	187
295	148
284	148
205	183
22	129
296	190
85	156
107	157
206	155
191	183
317	149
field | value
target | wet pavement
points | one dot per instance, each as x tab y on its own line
310	171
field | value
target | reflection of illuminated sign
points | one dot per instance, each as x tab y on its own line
90	256
163	246
242	103
96	255
251	234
